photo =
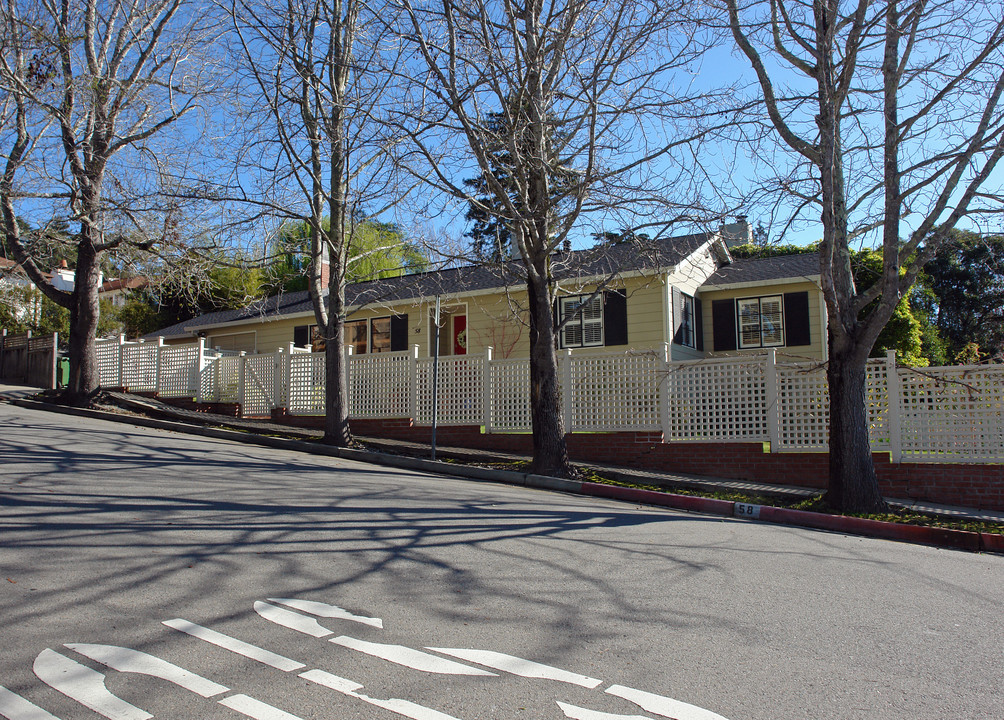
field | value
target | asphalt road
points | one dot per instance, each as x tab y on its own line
298	586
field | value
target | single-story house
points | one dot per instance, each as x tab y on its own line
686	291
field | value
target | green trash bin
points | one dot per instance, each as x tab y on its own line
63	372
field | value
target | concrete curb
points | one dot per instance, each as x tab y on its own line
937	537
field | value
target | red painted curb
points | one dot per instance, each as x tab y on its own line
942	537
992	542
653	497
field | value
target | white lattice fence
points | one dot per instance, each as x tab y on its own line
723	400
107	352
178	372
618	391
228	378
803	407
380	385
139	367
460	389
877	378
953	414
258	397
306	384
510	395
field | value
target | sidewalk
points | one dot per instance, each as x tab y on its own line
124	407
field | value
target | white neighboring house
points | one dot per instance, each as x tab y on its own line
19	292
118	290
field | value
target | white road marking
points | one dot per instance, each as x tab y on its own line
415	659
15	707
518	666
660	705
256	708
578	713
84	685
292	620
133	661
234	645
327	611
401	707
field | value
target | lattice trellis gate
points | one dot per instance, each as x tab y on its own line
261	383
139	366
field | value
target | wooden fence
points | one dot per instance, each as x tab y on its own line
29	360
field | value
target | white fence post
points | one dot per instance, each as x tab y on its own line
121	345
349	352
277	365
413	384
565	368
200	365
288	394
773	399
486	389
895	416
156	376
664	394
241	375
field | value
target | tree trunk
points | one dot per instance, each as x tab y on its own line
336	416
853	486
550	452
84	312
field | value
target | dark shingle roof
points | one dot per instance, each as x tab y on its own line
782	267
598	261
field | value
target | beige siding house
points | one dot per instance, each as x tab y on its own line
686	292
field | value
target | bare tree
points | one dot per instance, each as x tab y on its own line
320	155
87	90
564	108
891	116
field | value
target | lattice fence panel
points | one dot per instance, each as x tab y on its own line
178	372
139	367
616	391
460	389
510	395
878	404
228	379
380	385
108	362
724	400
803	407
952	414
306	384
208	390
259	384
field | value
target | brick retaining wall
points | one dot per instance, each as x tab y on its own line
976	486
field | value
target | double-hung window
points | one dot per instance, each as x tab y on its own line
582	316
761	321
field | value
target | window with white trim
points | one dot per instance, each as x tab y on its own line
761	321
584	315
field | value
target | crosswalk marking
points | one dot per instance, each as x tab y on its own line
15	707
84	685
327	611
292	620
415	659
256	708
518	666
234	645
402	707
574	712
126	660
660	705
